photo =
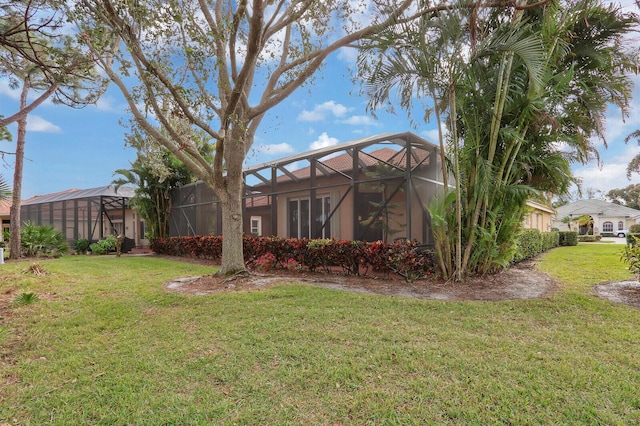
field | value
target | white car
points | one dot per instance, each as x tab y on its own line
622	233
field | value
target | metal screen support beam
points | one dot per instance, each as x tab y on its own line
313	227
274	202
355	168
124	220
409	195
89	221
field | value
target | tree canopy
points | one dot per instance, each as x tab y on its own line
628	196
220	66
523	93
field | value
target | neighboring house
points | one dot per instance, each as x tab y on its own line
374	188
5	213
605	217
88	213
539	216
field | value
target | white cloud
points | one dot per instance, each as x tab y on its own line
348	55
321	111
612	174
8	91
275	149
39	124
14	94
431	135
323	141
292	167
360	120
108	104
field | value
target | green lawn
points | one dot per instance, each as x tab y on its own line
107	345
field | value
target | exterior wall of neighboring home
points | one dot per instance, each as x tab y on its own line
93	214
539	217
369	189
605	217
5	213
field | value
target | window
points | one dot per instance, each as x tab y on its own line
142	230
117	228
299	218
620	226
607	227
256	226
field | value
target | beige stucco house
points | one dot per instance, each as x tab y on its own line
605	218
539	216
374	188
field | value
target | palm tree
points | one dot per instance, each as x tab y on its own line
153	192
634	164
522	84
5	189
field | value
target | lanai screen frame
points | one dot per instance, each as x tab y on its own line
263	184
99	203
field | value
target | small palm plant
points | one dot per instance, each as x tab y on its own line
26	299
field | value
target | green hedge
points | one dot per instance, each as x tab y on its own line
568	238
632	239
589	238
531	242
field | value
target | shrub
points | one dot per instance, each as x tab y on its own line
350	255
532	242
409	260
405	258
631	256
632	238
266	262
104	246
81	246
293	265
589	238
635	228
319	253
42	241
568	238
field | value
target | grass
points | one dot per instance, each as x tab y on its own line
107	345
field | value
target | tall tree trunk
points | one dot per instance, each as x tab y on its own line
15	244
230	194
232	249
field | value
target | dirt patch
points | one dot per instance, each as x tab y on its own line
521	281
627	292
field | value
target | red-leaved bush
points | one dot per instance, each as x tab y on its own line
405	258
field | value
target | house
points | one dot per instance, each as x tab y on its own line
604	217
87	213
5	214
539	216
374	188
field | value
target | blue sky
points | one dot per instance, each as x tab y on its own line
69	148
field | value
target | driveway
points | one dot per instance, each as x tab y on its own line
615	240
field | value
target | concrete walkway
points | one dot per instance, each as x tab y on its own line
614	240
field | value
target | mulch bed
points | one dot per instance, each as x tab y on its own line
521	281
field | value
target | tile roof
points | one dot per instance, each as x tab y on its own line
400	139
344	163
5	207
596	208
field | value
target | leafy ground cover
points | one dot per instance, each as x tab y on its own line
107	344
